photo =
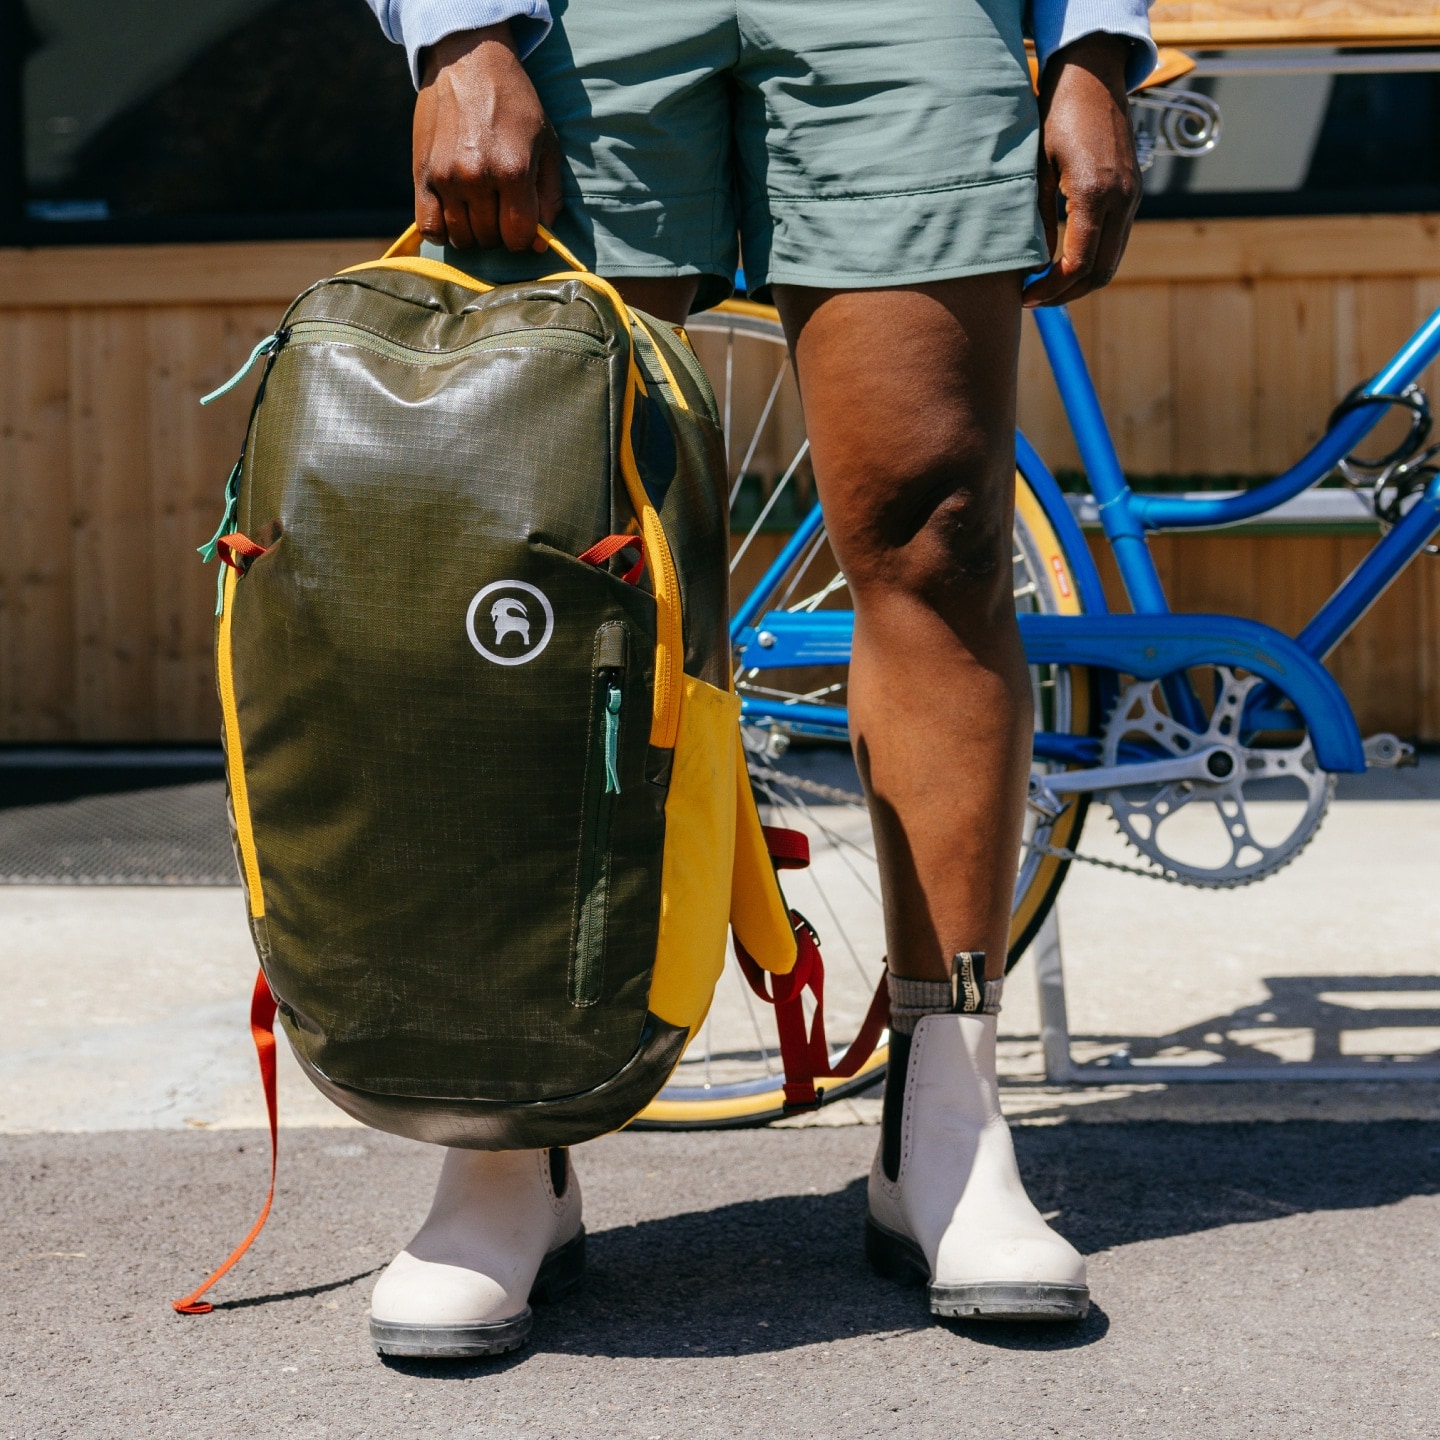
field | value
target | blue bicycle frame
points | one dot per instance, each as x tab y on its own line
1151	643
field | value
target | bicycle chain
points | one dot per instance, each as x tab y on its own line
1060	853
1057	852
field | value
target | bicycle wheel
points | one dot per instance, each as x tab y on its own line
798	744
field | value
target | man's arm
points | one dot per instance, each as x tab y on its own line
486	161
1087	154
1055	24
419	24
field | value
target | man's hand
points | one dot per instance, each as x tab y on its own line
487	163
1087	154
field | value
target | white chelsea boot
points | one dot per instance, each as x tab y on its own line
503	1230
947	1206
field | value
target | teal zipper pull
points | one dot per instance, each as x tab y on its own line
207	551
612	740
263	348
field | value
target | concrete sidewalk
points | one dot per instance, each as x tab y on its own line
1263	1258
1249	1280
130	1005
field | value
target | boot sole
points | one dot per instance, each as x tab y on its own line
560	1272
899	1259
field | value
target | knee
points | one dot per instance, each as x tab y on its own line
941	533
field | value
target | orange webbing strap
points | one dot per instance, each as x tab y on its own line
238	550
804	1053
262	1027
612	545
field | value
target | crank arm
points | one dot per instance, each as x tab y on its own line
1210	766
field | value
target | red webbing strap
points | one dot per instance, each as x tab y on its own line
238	550
611	545
262	1028
789	849
806	1054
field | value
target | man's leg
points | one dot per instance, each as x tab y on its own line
909	399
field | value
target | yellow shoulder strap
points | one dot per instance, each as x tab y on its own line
758	913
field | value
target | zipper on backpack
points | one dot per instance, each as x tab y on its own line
614	698
602	786
340	332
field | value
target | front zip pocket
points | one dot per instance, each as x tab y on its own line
602	792
343	332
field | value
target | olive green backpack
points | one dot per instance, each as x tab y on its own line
485	773
487	789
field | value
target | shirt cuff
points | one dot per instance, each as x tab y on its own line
418	23
1058	23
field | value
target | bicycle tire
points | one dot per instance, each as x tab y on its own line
695	1099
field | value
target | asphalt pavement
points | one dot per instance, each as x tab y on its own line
1258	1279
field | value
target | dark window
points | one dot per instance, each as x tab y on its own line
1306	144
153	119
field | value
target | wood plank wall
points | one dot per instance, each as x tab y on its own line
111	474
1221	347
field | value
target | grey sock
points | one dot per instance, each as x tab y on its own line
967	992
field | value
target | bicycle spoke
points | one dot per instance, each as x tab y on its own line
759	428
775	494
802	566
812	603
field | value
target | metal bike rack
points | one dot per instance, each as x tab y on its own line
1120	1068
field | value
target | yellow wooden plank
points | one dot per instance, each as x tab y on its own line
1133	346
268	272
192	451
37	673
1290	247
1295	381
1214	364
1212	23
113	553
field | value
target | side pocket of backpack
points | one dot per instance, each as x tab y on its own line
602	791
699	857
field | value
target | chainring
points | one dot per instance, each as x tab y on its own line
1230	853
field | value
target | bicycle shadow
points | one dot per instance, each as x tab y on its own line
1307	1018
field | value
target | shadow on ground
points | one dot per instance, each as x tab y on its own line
1328	1019
715	1262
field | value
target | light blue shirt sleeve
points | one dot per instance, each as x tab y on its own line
1054	24
418	23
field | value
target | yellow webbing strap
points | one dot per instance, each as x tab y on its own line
234	757
419	265
669	374
758	913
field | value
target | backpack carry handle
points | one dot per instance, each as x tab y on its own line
408	244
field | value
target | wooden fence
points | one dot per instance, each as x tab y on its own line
1221	348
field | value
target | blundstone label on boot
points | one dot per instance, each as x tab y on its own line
966	977
510	622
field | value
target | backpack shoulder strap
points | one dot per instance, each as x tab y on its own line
758	913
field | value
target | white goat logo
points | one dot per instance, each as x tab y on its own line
509	617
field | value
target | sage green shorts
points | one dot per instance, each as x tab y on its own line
848	143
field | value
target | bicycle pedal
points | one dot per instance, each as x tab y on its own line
1388	752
